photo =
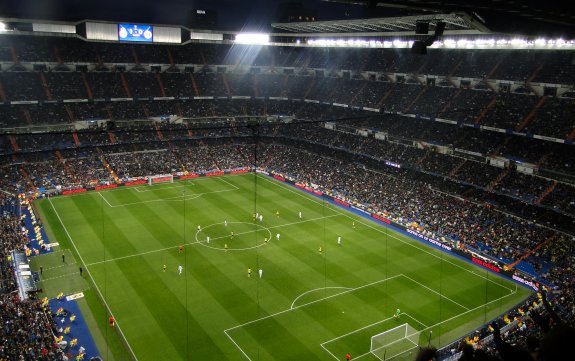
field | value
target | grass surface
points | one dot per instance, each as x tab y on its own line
308	305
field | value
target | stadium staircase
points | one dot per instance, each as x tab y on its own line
179	110
69	112
57	54
14	143
2	93
108	167
284	86
170	57
76	139
146	111
531	77
246	159
385	96
491	104
422	159
490	74
226	85
158	132
497	180
453	70
67	168
448	104
178	158
420	71
410	106
161	84
45	86
547	192
255	86
543	159
14	56
531	251
531	114
194	85
27	115
112	138
135	56
456	169
125	84
500	146
87	86
310	87
27	178
358	93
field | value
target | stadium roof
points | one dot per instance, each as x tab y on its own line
456	24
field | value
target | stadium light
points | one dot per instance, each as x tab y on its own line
252	38
449	43
3	26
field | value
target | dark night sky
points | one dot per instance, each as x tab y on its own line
232	14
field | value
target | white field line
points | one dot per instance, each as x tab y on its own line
64	265
53	278
92	278
187	182
301	194
212	239
312	302
175	198
144	189
317	289
302	305
238	346
332	355
227	182
373	324
449	319
437	293
105	200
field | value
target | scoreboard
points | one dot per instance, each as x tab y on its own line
136	33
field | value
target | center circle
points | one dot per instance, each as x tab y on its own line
221	235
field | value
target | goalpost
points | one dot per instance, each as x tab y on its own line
160	178
394	342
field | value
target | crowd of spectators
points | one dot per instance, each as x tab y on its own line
26	332
477	105
444	187
479	63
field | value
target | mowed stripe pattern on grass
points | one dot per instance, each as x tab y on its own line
187	314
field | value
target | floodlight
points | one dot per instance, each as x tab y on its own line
3	26
252	38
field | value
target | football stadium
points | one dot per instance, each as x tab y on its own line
393	183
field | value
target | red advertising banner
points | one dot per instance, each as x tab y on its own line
343	203
380	218
74	191
135	183
239	171
188	176
485	264
106	186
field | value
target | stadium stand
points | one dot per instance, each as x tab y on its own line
445	184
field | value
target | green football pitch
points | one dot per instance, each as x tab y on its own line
315	299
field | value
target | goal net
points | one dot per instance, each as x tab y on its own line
393	343
160	178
